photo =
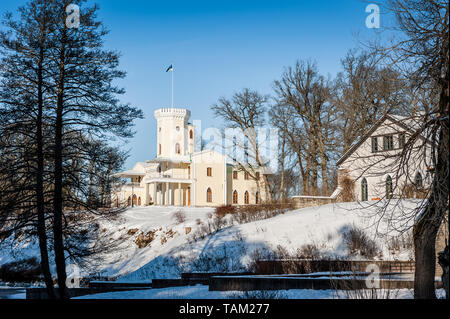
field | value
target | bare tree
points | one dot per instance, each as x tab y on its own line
246	112
420	51
303	90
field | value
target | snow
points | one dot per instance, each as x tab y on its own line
201	292
228	250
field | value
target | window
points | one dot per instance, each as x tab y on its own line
159	149
160	129
235	175
374	144
208	171
246	175
257	198
235	197
401	140
189	172
388	187
129	200
209	195
134	200
139	201
418	181
257	176
177	128
428	178
246	198
388	142
177	148
364	190
191	134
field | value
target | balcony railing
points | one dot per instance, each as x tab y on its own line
168	175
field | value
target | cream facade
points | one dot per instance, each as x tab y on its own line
179	176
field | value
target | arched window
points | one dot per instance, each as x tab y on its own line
209	195
246	175
257	198
246	198
364	190
418	181
134	200
235	197
177	148
191	134
129	200
139	201
388	187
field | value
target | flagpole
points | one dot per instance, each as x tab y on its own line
172	84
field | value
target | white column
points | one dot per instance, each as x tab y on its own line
146	194
180	199
166	194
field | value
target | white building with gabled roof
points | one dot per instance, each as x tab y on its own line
375	164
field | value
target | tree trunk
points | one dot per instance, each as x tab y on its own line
281	190
444	263
425	257
41	228
57	196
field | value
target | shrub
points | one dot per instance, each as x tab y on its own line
179	216
357	241
25	270
223	210
348	189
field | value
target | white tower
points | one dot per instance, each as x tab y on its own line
174	134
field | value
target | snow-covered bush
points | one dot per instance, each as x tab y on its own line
358	242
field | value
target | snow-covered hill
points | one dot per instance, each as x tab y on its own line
170	250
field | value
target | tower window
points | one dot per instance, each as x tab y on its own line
208	171
159	149
177	148
246	175
191	134
235	175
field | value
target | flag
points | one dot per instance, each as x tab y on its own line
170	68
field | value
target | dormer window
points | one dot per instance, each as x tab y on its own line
388	143
374	144
401	140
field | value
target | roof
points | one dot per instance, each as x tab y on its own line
407	123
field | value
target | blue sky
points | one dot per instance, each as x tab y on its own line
218	48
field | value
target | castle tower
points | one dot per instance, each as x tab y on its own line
175	136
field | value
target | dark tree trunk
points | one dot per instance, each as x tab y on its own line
40	204
425	256
444	263
57	196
